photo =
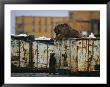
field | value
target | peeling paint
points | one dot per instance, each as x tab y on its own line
72	54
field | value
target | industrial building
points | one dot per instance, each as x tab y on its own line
38	26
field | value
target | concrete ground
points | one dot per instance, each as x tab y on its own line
36	75
44	74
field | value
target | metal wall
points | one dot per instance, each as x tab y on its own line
72	54
79	54
19	53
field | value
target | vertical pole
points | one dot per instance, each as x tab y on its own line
88	56
77	59
92	54
86	53
70	55
30	55
19	52
47	54
37	54
60	55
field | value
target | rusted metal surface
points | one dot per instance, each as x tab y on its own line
82	54
19	53
72	54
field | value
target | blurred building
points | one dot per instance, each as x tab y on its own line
85	21
38	26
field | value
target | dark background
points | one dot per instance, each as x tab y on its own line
2	2
55	1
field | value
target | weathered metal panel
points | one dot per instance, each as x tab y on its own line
82	55
42	55
23	47
72	54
